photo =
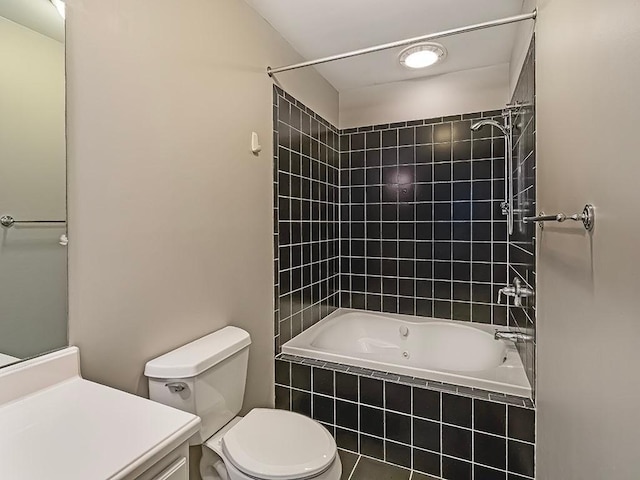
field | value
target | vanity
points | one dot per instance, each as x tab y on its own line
56	425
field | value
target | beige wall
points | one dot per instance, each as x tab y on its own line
170	214
33	266
588	75
475	90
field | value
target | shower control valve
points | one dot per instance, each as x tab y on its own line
517	291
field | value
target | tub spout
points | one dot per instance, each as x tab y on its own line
516	337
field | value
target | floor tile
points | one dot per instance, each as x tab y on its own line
348	460
368	469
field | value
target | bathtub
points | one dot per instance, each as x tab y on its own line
460	353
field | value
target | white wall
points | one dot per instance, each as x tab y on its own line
467	91
33	270
588	323
170	214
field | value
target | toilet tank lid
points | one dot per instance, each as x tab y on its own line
194	358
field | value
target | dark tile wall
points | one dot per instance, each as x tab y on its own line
522	242
306	175
429	428
421	228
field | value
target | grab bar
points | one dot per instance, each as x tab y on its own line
8	221
587	217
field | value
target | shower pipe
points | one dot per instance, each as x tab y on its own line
506	130
408	41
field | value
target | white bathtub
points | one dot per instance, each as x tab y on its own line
459	353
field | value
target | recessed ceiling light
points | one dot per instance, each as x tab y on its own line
422	55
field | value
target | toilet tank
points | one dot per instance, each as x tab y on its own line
206	377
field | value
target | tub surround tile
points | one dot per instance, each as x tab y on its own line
421	428
323	381
306	229
454	469
371	391
456	410
410	381
367	469
397	397
397	454
347	386
411	216
520	458
456	442
521	424
481	472
372	446
300	376
522	245
489	450
427	462
490	417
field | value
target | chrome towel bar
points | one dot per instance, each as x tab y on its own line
9	221
587	217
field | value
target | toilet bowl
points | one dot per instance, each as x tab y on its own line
271	444
207	377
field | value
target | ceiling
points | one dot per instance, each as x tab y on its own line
320	28
38	15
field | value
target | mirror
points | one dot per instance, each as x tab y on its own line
33	257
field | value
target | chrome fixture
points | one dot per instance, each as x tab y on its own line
176	387
587	217
515	337
517	291
407	42
506	129
9	221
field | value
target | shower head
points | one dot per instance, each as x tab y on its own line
476	126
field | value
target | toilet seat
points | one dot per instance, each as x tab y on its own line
279	445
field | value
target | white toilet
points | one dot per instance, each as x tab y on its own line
207	378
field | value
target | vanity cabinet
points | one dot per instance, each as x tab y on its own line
174	466
56	425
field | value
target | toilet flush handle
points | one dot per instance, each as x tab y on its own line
176	387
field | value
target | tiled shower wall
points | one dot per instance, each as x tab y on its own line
522	242
421	228
306	170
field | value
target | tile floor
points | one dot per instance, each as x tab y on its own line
357	467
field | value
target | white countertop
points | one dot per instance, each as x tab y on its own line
80	430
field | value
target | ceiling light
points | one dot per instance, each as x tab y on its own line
422	55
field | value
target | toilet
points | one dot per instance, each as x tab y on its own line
207	378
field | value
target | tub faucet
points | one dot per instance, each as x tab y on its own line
515	337
517	291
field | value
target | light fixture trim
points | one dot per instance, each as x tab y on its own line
422	55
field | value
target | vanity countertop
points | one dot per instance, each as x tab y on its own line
80	430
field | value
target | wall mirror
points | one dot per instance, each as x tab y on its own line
33	253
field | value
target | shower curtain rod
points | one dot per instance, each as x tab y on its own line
408	41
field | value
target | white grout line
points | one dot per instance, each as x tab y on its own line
355	465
